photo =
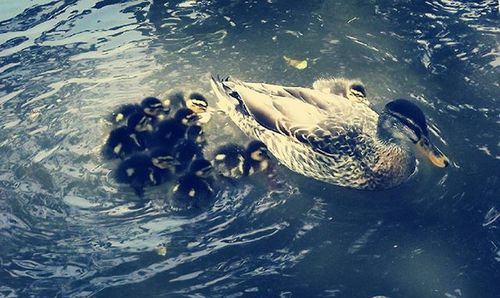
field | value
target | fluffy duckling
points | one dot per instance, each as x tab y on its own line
120	115
199	104
155	108
202	168
195	187
138	172
256	158
177	100
122	142
185	152
164	162
150	106
131	138
142	126
169	132
229	161
353	90
196	134
195	101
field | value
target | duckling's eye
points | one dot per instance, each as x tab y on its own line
358	90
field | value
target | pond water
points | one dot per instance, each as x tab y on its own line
67	229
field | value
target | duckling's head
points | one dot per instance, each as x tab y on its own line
186	116
201	168
357	90
139	122
257	151
153	107
197	102
163	159
402	120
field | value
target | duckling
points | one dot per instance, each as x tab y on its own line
150	106
170	131
196	134
142	126
121	142
120	115
199	104
195	188
353	90
138	172
202	168
256	158
185	152
128	139
164	162
177	100
154	108
229	161
191	190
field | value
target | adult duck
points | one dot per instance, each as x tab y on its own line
329	137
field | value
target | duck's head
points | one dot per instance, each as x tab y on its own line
403	120
139	122
197	102
201	168
257	151
153	107
186	116
163	159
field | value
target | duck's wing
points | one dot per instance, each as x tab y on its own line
322	100
288	111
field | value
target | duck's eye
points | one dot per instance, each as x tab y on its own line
410	134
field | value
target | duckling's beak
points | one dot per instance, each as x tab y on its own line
430	151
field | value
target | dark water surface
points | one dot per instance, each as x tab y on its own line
65	226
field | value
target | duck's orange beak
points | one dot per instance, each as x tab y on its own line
430	151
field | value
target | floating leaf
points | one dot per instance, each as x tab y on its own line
299	64
161	249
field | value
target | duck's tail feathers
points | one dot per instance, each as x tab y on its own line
222	88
